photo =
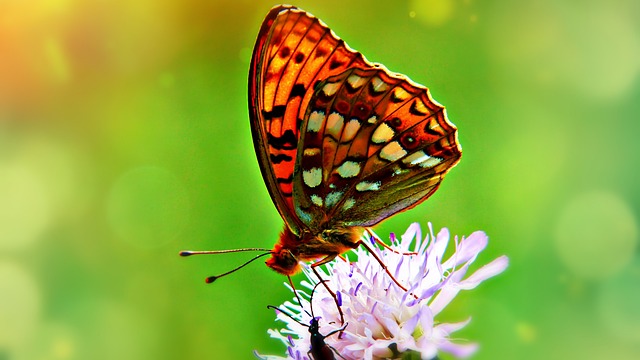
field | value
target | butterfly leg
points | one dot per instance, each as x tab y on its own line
384	245
384	266
295	292
327	259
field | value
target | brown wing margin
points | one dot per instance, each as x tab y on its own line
258	131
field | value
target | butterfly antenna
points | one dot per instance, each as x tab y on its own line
211	279
213	252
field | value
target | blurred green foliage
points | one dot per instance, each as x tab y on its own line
124	138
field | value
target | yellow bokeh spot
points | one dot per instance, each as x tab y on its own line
25	209
432	12
20	302
57	58
63	348
526	332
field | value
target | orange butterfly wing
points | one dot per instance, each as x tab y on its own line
294	51
374	144
340	141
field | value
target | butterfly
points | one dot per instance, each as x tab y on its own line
342	143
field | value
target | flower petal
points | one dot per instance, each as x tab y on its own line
468	249
448	328
459	350
490	270
377	312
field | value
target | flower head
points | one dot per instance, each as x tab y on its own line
382	320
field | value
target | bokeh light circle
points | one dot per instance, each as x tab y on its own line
432	12
148	207
25	209
20	303
618	301
596	235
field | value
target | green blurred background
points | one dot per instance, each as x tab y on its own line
124	138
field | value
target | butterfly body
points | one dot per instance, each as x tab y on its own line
291	249
342	143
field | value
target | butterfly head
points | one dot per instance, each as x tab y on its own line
282	259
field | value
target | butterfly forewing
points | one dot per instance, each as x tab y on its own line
373	144
294	52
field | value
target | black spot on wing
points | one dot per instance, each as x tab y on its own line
395	98
276	112
288	141
430	131
288	180
277	159
335	64
298	90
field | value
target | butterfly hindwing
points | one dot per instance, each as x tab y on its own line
373	144
294	52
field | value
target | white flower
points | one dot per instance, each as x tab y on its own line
382	320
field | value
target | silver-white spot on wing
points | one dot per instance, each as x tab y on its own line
431	162
379	85
313	177
355	81
302	215
330	88
315	121
368	186
332	198
382	134
393	151
317	200
349	169
350	130
422	159
335	123
348	204
416	158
